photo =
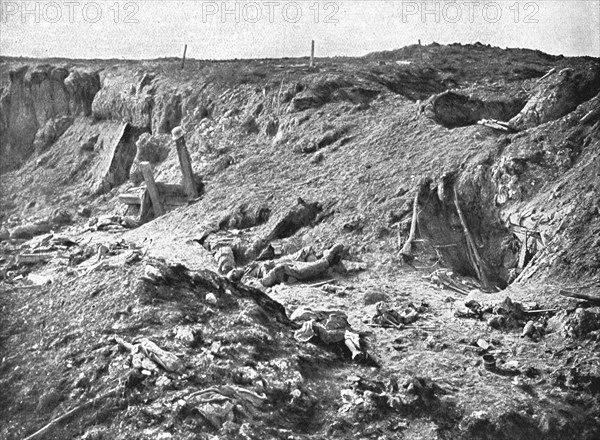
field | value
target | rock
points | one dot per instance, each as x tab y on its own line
163	382
96	433
528	329
151	273
575	325
4	234
150	148
211	299
187	335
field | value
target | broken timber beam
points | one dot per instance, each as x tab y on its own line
406	251
152	188
594	299
130	199
186	163
472	251
70	414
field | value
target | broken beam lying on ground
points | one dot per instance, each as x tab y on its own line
496	125
66	416
594	299
170	195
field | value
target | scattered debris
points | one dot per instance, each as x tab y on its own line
330	327
145	350
388	317
452	281
216	404
496	125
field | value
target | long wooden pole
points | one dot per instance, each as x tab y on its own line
472	251
312	54
407	248
152	188
54	423
186	168
183	60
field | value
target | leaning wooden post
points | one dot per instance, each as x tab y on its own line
152	188
183	60
406	251
186	164
312	54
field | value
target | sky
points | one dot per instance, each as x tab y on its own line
145	29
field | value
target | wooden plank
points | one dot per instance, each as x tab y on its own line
130	199
171	190
152	188
175	201
145	210
523	252
34	258
186	168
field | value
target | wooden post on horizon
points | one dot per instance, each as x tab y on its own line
186	165
183	60
152	188
312	54
419	41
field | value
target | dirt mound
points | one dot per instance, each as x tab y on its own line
557	95
32	99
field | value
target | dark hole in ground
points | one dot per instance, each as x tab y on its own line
455	110
442	231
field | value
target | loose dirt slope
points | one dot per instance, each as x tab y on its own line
359	136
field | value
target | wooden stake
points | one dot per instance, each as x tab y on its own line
186	168
152	188
183	60
472	251
312	54
406	251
